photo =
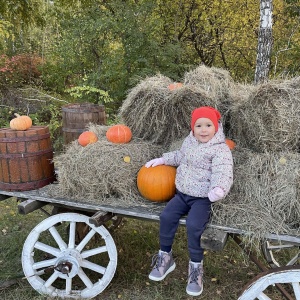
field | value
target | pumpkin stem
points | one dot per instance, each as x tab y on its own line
17	115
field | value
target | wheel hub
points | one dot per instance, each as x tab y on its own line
68	263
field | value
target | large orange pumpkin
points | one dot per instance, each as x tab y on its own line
20	122
230	143
157	183
87	137
119	134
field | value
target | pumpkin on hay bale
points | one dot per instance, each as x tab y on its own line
86	138
157	183
102	170
269	119
265	195
119	134
158	115
175	85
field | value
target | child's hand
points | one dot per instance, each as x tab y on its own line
216	194
155	162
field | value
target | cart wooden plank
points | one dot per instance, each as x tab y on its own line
150	212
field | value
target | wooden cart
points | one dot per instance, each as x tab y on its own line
68	259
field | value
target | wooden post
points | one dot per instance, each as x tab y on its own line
30	205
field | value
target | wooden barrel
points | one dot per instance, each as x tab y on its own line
76	117
25	159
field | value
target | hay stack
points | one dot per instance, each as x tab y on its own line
265	194
216	82
240	94
160	116
98	171
269	119
99	130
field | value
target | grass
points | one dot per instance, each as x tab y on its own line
226	272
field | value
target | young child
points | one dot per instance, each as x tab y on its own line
204	175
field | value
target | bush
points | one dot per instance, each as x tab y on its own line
20	69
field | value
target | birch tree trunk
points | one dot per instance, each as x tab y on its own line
264	42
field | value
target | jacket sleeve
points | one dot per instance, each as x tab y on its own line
174	158
222	169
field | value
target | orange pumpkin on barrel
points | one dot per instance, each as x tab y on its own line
20	122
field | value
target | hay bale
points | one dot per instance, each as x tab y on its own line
215	81
265	194
176	145
158	115
239	94
269	119
98	171
99	130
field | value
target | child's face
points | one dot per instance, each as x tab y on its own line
204	130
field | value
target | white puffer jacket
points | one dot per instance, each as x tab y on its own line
202	166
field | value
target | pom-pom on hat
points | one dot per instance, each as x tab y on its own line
206	112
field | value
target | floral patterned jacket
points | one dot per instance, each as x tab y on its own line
202	166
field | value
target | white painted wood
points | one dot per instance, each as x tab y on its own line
72	235
296	287
262	296
288	275
67	253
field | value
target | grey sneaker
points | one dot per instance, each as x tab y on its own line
195	279
162	263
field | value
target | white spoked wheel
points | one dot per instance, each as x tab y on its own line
289	275
279	253
56	266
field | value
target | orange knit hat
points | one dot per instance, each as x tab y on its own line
206	112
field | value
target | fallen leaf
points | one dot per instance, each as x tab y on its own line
127	159
282	161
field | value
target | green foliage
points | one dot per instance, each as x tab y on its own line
87	93
6	114
93	47
22	13
6	33
50	115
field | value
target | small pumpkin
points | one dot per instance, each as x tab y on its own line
174	86
20	122
230	143
86	138
119	134
157	183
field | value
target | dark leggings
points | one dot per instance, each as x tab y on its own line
198	213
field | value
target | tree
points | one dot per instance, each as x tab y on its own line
264	42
